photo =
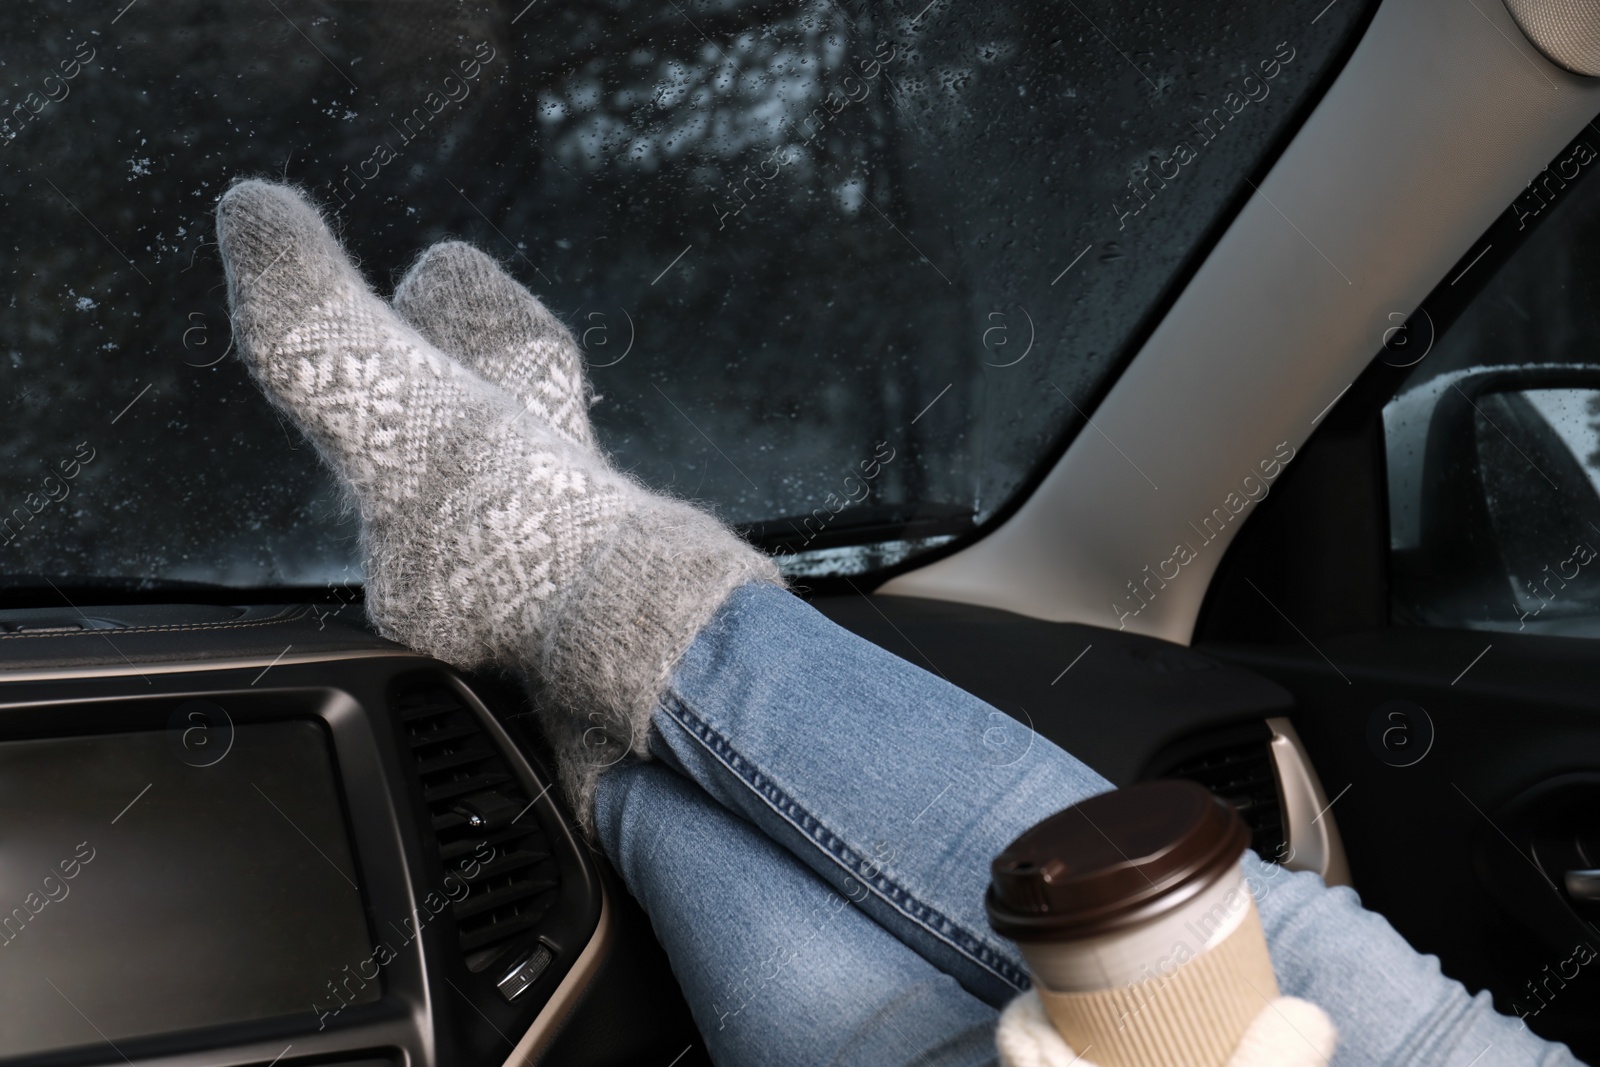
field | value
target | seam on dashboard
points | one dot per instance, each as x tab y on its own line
177	628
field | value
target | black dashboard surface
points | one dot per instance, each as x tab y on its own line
1113	699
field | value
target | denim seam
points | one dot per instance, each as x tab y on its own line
1435	1038
927	918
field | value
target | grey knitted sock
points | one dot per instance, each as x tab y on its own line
460	299
490	537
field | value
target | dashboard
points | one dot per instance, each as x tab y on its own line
263	836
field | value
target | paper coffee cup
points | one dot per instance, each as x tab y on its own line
1139	930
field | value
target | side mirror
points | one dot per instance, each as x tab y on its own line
1500	468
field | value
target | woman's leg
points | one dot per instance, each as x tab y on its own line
777	967
495	537
876	774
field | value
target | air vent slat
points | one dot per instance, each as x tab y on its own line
438	794
477	821
1242	773
478	904
455	846
440	736
471	942
506	863
433	766
420	711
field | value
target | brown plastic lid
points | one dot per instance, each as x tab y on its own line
1113	861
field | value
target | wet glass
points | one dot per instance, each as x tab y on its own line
1493	444
846	273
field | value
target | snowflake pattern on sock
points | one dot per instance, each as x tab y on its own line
492	535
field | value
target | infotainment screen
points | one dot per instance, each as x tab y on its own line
144	890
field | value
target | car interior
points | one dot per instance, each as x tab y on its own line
1207	388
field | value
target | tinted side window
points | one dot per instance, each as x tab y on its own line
1493	441
843	271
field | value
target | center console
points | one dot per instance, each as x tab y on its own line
299	844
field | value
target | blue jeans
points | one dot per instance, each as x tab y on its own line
813	844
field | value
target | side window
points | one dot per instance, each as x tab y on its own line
1493	441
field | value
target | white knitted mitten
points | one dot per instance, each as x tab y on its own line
1288	1032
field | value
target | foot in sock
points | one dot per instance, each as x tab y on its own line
491	536
461	301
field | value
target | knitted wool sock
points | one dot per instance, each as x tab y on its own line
490	537
461	301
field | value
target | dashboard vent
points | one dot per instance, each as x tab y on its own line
1243	774
479	814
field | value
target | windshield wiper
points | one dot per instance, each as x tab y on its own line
859	525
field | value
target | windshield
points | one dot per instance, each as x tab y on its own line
844	272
